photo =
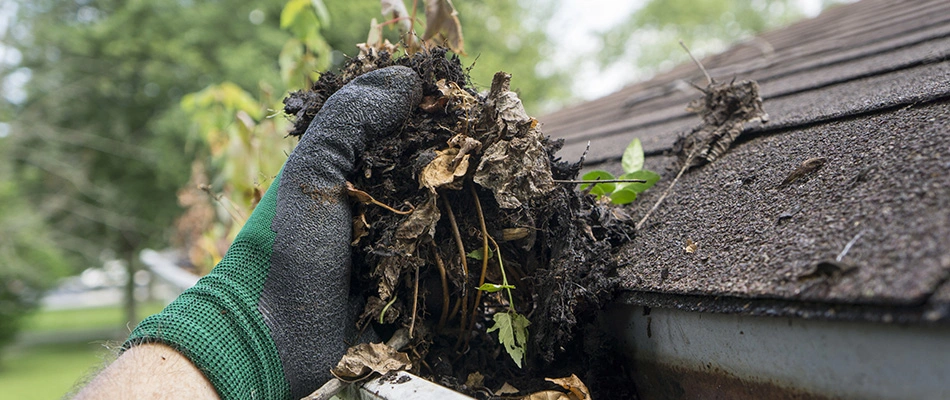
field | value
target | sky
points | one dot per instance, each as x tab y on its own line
577	23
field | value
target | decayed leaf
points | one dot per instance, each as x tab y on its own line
441	173
441	18
506	389
422	221
457	98
573	383
516	170
512	333
396	10
690	247
548	395
360	228
475	380
363	359
725	109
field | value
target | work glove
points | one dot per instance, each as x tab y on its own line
268	322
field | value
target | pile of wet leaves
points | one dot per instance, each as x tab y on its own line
461	220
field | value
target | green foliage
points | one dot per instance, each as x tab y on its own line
492	288
623	192
500	35
477	254
29	262
512	333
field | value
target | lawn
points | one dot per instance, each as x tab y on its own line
47	371
65	348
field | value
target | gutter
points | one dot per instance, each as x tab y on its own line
683	354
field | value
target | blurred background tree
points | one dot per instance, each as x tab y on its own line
648	38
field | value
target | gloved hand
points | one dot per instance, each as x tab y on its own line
268	322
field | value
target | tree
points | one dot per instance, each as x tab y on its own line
649	36
97	141
500	35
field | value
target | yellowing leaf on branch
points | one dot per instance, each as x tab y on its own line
442	20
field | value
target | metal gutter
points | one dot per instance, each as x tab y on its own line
682	354
400	385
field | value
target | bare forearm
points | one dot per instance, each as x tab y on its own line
149	371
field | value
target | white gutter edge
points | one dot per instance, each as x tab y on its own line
838	359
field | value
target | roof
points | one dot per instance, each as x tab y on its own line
866	86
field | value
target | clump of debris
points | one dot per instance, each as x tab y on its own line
463	236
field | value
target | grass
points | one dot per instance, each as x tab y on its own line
87	318
50	370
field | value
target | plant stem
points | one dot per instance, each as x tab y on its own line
504	278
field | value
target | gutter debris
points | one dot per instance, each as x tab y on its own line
498	271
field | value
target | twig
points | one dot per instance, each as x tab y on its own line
847	247
461	247
481	279
445	286
659	201
415	303
600	181
235	214
709	79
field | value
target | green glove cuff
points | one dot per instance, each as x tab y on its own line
216	323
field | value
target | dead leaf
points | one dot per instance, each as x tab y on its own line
725	109
690	247
456	97
506	389
396	11
422	221
808	166
475	380
516	170
361	360
360	228
442	19
440	172
574	384
548	395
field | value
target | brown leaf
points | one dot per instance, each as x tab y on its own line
441	173
360	228
442	19
548	395
475	380
506	389
573	383
362	360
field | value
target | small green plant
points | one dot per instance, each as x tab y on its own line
623	192
512	327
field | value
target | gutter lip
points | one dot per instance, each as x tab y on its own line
925	313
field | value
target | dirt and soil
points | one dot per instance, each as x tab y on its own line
476	173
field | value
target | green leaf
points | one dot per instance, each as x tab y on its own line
650	177
477	254
492	288
322	13
623	196
512	333
291	11
600	189
632	157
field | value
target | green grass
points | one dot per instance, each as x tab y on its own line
47	371
50	370
88	318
